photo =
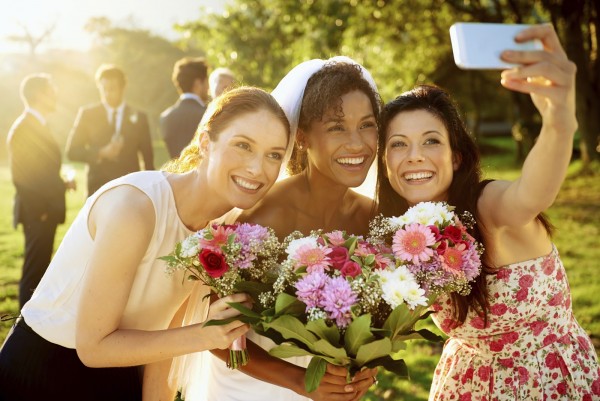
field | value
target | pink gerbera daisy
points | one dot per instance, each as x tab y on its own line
412	243
452	259
314	258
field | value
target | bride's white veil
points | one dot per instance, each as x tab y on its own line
186	370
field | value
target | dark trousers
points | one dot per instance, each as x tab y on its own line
39	242
32	368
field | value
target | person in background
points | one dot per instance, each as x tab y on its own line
514	337
35	164
179	122
221	80
109	136
106	312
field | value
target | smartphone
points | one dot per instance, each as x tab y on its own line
477	46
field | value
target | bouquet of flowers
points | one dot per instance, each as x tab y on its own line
354	302
434	245
229	259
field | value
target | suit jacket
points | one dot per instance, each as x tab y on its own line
178	124
92	131
35	163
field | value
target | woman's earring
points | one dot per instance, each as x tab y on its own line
300	147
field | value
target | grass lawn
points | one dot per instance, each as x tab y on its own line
576	214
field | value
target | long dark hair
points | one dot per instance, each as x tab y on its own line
324	91
466	186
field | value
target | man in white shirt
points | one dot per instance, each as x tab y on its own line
179	122
109	136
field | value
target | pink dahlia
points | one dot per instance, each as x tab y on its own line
412	244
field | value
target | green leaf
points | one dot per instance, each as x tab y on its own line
244	311
288	351
325	348
291	327
322	330
314	373
286	303
396	366
373	350
351	244
369	259
358	333
245	319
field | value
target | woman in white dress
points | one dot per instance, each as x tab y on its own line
105	306
333	107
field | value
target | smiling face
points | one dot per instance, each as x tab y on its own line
342	146
244	160
418	157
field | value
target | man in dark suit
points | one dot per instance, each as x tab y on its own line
35	163
179	122
108	136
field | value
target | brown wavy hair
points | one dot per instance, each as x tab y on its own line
220	113
323	92
466	186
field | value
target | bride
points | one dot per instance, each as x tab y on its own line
333	107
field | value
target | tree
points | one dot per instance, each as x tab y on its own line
31	40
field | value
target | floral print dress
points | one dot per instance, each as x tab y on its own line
531	349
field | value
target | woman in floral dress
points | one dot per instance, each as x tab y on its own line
514	337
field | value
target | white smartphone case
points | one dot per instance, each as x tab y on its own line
478	45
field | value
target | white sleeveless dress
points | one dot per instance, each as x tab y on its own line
155	296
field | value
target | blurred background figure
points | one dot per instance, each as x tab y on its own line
35	163
178	123
220	80
108	136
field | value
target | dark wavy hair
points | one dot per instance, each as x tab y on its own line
466	186
323	92
221	112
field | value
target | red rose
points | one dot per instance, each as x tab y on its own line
214	263
453	233
506	362
548	266
503	274
537	327
523	375
468	376
465	397
522	294
561	388
477	323
549	339
556	299
510	338
484	373
338	256
526	281
435	231
498	309
496	346
596	387
559	275
351	268
552	360
442	247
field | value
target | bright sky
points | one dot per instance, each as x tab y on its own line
70	16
